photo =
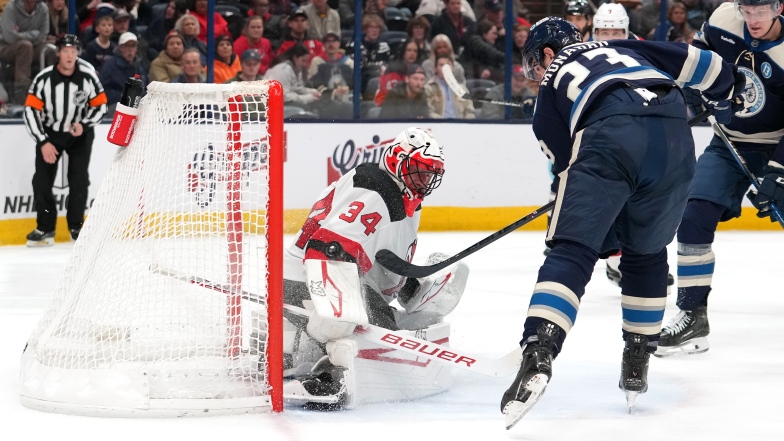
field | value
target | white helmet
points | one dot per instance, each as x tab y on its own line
611	16
415	159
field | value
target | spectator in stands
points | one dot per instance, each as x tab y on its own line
520	94
519	36
698	11
167	65
226	63
396	71
494	13
643	21
418	29
430	9
191	68
58	20
289	69
375	53
281	7
274	24
24	27
298	30
376	7
335	62
160	26
188	27
441	45
321	19
679	29
481	58
442	102
407	99
89	12
345	10
252	38
454	24
125	63
98	50
122	24
250	60
199	10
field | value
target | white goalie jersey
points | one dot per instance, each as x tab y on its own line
361	213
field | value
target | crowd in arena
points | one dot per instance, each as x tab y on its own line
309	47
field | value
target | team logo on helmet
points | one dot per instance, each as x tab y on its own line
753	94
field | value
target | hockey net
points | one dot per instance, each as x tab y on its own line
171	303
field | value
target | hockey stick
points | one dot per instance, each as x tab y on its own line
493	367
742	163
463	93
392	262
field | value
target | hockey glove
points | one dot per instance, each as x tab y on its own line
694	100
724	110
529	104
771	191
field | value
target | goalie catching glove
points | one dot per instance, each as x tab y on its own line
440	293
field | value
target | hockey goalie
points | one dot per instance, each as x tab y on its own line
332	285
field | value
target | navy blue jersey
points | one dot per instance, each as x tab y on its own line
581	72
762	121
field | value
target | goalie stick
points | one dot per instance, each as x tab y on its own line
392	262
742	163
493	367
462	92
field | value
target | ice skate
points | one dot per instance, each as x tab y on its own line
634	368
686	333
324	389
535	372
75	233
38	238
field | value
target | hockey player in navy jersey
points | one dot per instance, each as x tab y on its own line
613	122
372	207
750	34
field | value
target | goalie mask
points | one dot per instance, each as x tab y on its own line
552	32
415	159
611	16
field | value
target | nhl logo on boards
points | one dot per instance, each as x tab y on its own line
753	94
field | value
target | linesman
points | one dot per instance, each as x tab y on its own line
64	103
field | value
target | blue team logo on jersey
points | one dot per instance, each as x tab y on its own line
753	94
767	71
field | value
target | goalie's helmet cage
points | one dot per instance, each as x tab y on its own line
552	32
611	16
171	302
415	159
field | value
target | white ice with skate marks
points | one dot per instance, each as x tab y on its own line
731	392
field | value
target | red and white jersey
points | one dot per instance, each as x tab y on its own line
363	212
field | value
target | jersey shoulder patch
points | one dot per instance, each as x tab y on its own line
370	177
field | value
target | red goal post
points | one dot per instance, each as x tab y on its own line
171	303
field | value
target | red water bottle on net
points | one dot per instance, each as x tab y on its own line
127	110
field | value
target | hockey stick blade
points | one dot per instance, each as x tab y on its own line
492	367
462	92
392	262
777	216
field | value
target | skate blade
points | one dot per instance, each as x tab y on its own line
40	243
631	397
293	391
691	347
516	410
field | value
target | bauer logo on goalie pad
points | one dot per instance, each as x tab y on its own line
425	348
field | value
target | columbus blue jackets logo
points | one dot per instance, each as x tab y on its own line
753	94
80	97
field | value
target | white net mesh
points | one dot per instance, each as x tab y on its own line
163	303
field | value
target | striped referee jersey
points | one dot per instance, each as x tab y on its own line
56	102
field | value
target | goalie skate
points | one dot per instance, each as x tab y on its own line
686	334
533	377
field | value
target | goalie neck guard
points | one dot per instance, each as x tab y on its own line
416	161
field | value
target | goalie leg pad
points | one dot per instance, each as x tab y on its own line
335	290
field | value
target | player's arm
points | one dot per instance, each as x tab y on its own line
34	105
97	100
